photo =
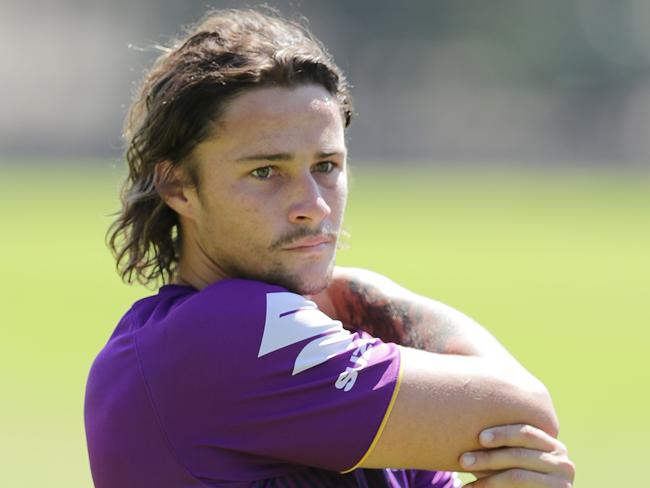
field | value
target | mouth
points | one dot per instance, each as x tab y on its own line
310	244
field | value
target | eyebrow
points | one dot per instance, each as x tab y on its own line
286	156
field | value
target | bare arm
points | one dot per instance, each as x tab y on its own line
466	382
445	401
368	301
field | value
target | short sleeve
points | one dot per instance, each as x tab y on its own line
246	376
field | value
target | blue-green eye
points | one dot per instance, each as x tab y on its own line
263	173
325	166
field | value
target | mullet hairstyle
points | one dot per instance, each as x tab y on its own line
177	107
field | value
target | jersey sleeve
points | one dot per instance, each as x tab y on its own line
244	373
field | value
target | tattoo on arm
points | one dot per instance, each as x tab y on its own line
403	321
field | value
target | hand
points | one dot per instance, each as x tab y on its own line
519	456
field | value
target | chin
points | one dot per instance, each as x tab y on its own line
312	288
305	281
307	285
301	278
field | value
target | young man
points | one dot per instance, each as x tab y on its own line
259	363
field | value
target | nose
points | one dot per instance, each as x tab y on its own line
308	205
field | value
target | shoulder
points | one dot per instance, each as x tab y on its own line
225	308
364	283
222	301
233	293
239	319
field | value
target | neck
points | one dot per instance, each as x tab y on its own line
195	268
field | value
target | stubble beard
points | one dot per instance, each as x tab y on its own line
296	283
279	270
279	275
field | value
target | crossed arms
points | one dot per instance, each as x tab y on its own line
457	382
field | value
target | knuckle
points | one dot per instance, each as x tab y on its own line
560	448
563	465
527	431
569	468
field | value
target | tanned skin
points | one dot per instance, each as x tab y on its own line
363	300
363	305
402	321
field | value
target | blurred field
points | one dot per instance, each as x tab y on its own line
555	264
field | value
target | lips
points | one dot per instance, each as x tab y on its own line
309	242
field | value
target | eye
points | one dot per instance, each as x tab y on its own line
325	166
264	173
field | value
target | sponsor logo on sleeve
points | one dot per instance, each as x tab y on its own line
291	318
359	360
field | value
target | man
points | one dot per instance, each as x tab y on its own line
239	372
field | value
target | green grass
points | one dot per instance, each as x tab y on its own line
555	264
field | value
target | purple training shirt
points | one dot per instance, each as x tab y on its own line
241	384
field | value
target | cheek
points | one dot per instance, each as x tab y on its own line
340	197
250	214
240	203
233	214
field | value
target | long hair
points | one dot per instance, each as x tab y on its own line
181	98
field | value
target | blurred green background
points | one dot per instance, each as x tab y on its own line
502	168
554	262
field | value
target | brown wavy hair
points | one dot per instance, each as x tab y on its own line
181	98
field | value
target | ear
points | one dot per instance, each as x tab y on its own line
174	188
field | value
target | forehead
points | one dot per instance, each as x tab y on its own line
295	119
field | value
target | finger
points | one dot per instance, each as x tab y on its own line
521	478
520	435
517	457
482	474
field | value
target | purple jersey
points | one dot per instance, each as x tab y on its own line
241	384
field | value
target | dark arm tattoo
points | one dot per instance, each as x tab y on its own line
402	320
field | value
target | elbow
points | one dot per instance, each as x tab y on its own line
526	400
551	423
540	409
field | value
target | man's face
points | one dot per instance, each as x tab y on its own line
272	189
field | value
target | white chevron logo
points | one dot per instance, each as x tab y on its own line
291	318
